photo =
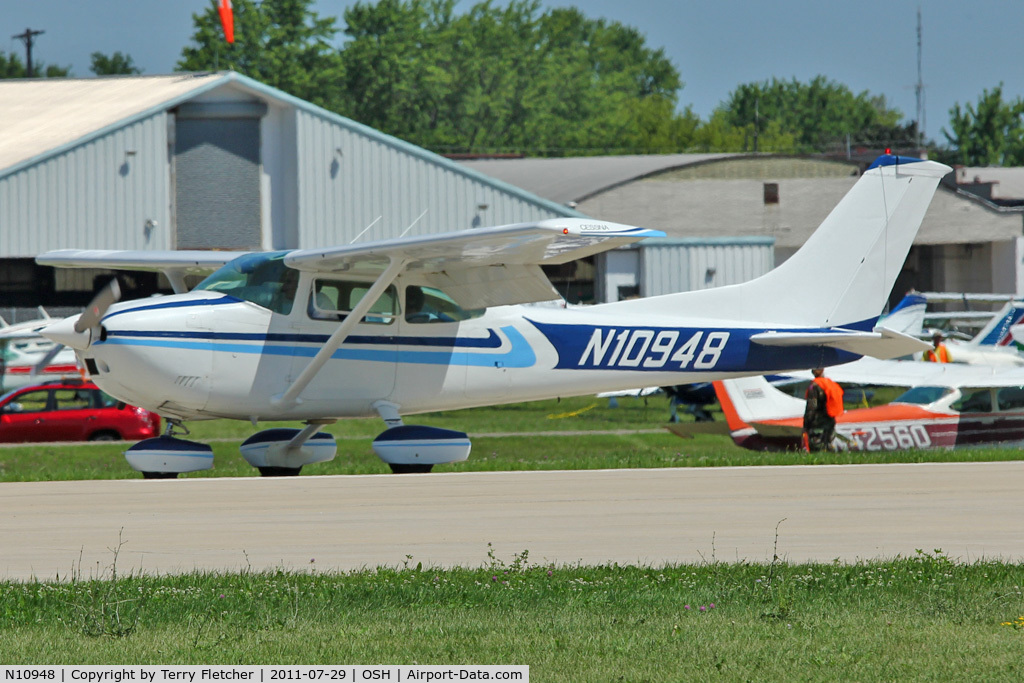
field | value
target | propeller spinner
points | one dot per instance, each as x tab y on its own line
77	331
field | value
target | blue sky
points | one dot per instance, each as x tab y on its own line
868	44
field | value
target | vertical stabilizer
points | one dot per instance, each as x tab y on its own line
753	399
908	315
843	274
997	331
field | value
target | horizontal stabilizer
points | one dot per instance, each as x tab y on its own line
880	343
776	430
688	430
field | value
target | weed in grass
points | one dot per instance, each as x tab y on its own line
110	606
1017	624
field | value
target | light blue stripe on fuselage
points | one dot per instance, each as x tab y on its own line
520	355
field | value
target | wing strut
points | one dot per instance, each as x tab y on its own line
291	396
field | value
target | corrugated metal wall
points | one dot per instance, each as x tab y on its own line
346	180
682	265
95	196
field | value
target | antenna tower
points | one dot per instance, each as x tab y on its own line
919	88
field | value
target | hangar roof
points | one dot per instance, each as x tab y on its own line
39	115
1009	181
574	179
41	118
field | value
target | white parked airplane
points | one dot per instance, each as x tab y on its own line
26	357
420	324
992	345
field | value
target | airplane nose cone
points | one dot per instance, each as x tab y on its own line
63	332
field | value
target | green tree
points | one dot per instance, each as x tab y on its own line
282	43
509	78
990	133
718	134
112	65
11	66
819	115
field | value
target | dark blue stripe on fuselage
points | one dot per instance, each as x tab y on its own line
492	341
680	349
221	301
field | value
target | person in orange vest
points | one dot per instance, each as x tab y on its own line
824	404
938	353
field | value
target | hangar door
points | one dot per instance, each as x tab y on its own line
217	176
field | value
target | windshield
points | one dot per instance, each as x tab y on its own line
924	395
263	279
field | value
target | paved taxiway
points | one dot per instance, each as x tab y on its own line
854	512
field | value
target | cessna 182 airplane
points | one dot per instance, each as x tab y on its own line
947	405
417	324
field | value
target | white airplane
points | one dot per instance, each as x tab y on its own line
992	345
418	324
28	358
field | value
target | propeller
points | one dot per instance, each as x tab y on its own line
50	355
98	306
76	331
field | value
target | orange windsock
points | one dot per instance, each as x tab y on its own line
227	19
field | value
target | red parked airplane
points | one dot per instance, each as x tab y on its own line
947	406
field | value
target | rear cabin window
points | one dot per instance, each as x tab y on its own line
1010	398
335	299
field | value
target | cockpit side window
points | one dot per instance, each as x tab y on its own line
262	279
923	395
429	305
335	299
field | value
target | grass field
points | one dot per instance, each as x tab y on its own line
916	618
577	433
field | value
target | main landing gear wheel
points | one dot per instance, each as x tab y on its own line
279	471
398	468
159	475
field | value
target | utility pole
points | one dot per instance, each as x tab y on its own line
27	37
757	121
919	88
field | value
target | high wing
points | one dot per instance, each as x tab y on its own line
174	264
480	267
905	373
477	267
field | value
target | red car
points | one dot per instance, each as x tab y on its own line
71	410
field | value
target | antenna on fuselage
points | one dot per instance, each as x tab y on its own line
414	223
375	221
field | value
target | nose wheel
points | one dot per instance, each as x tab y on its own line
166	456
